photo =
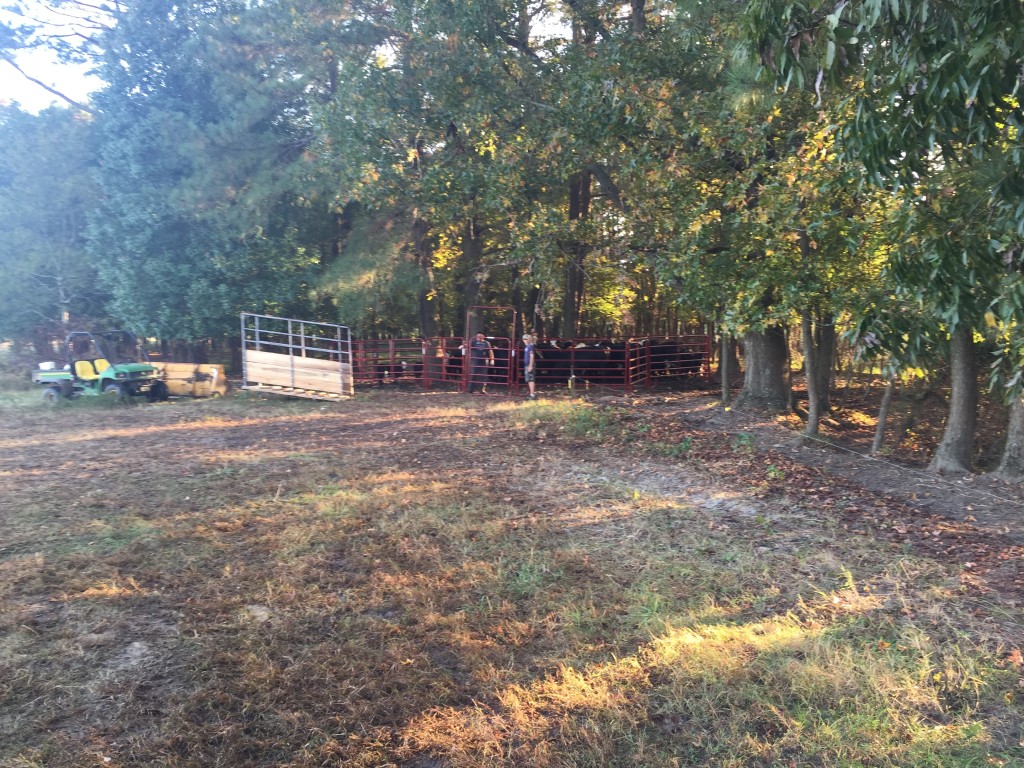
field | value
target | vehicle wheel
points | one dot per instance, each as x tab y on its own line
51	395
158	393
115	390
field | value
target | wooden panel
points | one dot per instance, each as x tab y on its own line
308	394
285	361
275	370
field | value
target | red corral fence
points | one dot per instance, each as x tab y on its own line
579	363
320	360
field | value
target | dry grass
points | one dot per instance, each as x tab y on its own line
427	581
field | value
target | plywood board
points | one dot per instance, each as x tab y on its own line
297	373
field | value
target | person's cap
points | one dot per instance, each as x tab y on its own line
527	337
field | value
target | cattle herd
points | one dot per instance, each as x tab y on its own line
616	363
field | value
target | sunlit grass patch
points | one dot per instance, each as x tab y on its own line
575	418
730	695
526	577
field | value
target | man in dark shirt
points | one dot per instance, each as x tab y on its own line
481	356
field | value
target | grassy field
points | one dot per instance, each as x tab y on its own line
435	581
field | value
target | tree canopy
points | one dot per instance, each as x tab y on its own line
605	167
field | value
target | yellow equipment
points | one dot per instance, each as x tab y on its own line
193	379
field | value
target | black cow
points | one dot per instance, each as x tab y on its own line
692	362
454	361
590	362
560	361
554	362
676	359
664	357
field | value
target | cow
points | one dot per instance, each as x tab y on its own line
562	361
676	359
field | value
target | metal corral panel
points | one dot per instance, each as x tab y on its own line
296	357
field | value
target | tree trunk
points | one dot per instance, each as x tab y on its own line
728	349
954	452
637	17
810	375
725	370
764	382
883	416
825	348
1012	465
572	299
734	359
425	265
472	255
533	317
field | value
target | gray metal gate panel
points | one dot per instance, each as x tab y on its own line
296	357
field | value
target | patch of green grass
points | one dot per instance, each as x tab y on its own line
743	442
573	418
679	450
528	577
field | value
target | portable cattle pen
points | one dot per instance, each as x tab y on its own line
296	357
322	361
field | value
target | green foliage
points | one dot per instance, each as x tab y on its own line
201	126
934	90
46	193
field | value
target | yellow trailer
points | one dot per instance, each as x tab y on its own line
193	379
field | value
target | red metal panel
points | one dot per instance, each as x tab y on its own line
443	361
580	363
387	361
679	357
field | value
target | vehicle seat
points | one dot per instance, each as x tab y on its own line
90	369
85	370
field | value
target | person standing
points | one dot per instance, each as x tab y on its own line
481	356
530	364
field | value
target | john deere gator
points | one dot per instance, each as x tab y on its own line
109	363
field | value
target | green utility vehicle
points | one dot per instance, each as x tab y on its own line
102	363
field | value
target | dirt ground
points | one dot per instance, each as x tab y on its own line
191	469
982	500
977	505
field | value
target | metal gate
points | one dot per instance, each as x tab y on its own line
444	361
582	363
674	358
387	361
503	373
320	360
296	357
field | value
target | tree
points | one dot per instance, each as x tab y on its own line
46	195
204	126
1011	467
935	93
